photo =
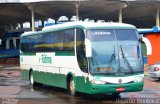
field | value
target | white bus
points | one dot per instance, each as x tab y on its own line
92	58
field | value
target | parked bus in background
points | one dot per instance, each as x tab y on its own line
9	48
87	57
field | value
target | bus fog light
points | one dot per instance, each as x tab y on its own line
97	82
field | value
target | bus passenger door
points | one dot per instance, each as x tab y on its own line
81	59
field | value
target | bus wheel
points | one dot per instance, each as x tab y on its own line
72	87
31	79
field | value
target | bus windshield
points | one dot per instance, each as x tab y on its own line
115	51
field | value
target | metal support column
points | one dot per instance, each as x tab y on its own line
120	16
157	18
33	25
77	12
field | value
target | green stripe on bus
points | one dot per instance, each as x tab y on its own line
56	54
64	54
28	53
57	80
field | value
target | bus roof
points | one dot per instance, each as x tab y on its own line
83	25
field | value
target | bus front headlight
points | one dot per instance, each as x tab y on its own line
97	82
138	79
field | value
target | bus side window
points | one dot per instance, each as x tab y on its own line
28	43
69	40
60	44
81	57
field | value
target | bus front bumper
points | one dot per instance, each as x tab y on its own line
115	88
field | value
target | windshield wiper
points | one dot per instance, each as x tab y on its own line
126	60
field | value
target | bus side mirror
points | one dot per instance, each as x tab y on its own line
88	48
140	37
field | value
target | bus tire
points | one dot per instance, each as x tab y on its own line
31	79
72	87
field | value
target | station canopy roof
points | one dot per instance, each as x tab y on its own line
140	13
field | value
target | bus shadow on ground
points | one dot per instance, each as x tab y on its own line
64	94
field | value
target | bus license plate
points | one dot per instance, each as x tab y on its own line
120	89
